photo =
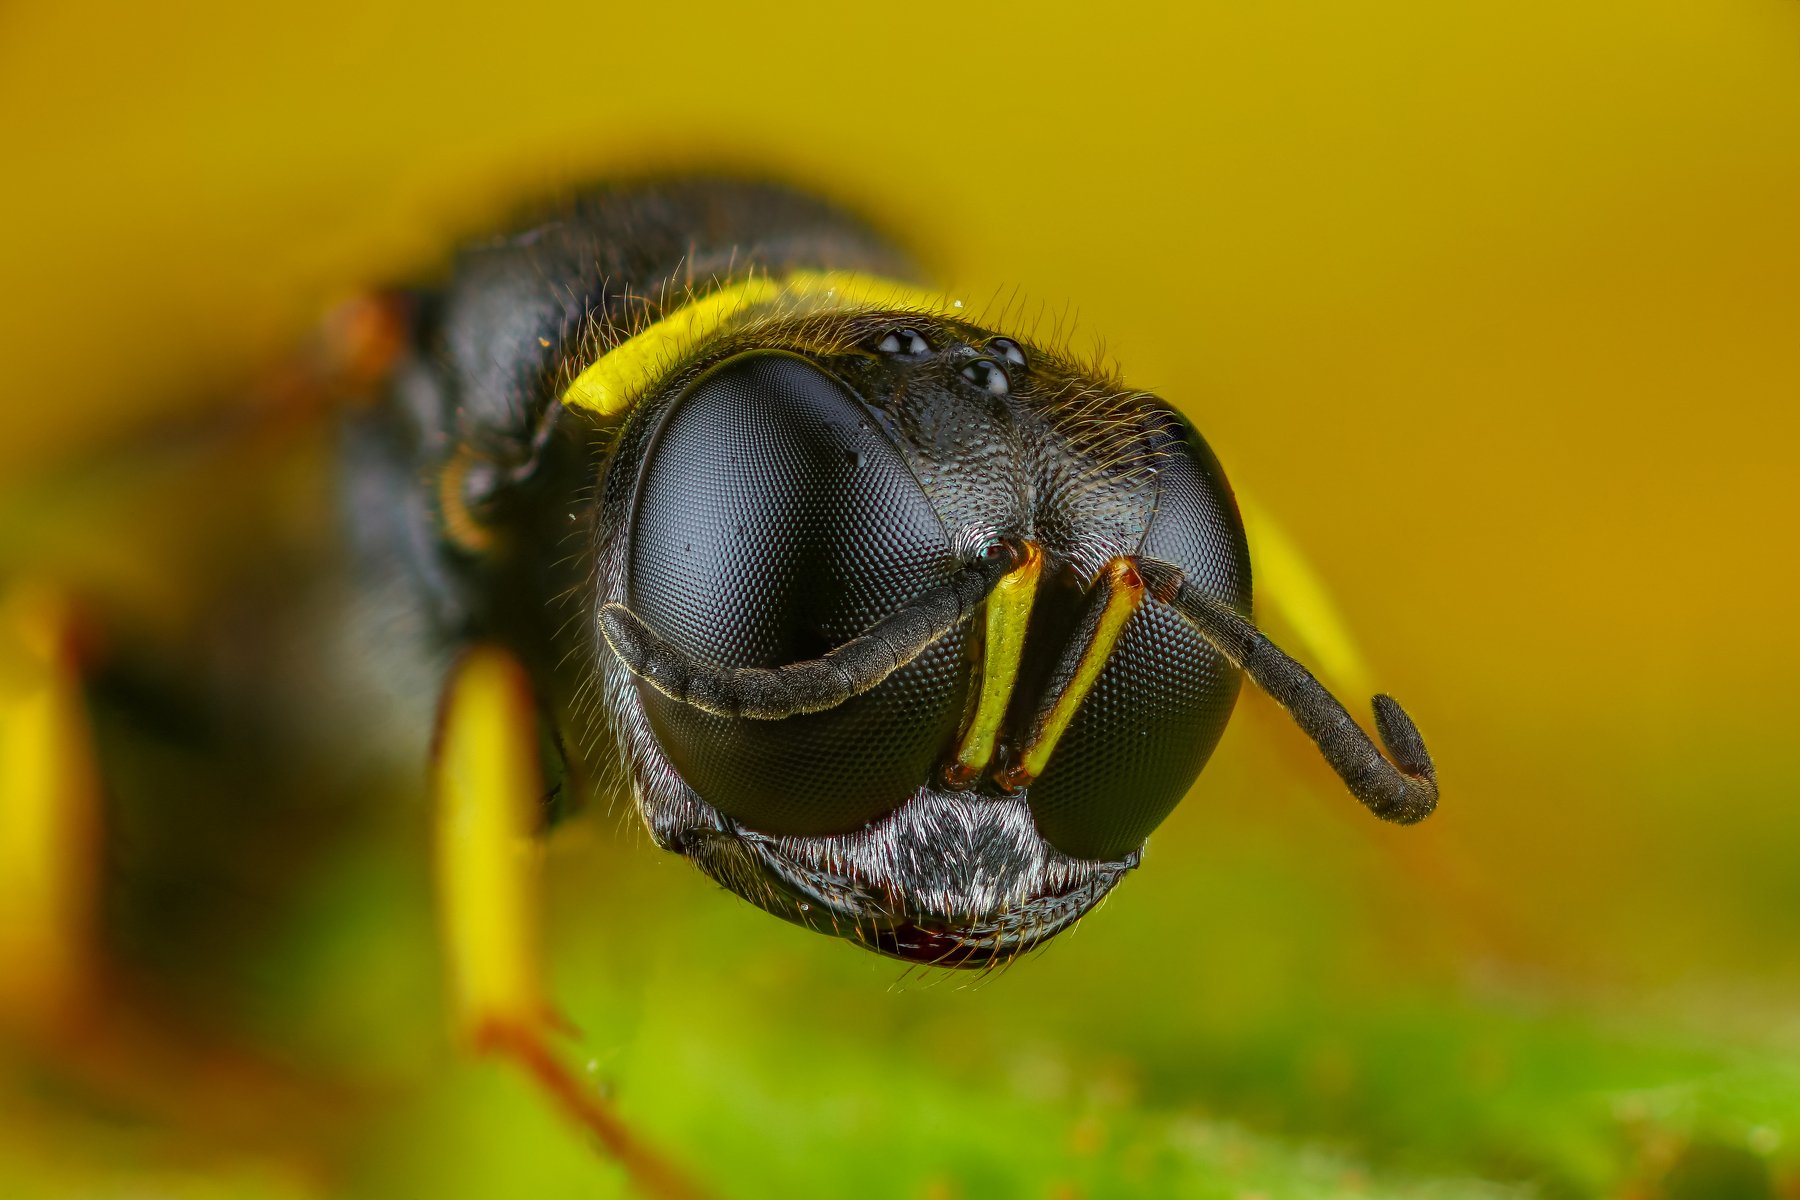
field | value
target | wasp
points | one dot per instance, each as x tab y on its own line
903	628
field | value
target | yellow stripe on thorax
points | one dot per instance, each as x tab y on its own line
614	383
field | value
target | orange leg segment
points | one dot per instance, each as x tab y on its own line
488	789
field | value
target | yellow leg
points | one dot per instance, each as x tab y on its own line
1294	602
1008	616
63	1004
49	819
488	789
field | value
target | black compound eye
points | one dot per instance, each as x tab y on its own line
1007	349
904	343
1144	732
774	521
987	375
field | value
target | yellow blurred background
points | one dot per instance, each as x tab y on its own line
1495	305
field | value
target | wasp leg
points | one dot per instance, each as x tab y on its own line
1292	601
49	820
489	789
66	1005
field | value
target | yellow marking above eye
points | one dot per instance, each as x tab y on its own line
612	385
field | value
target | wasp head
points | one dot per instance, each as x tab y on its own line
874	631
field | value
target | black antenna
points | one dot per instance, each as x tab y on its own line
772	693
1403	791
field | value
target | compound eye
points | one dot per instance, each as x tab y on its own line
1156	711
774	521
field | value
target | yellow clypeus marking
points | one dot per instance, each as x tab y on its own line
615	382
1008	613
488	787
1124	594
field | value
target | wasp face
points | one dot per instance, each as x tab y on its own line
905	630
878	616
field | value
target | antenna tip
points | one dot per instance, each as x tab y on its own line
1403	742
